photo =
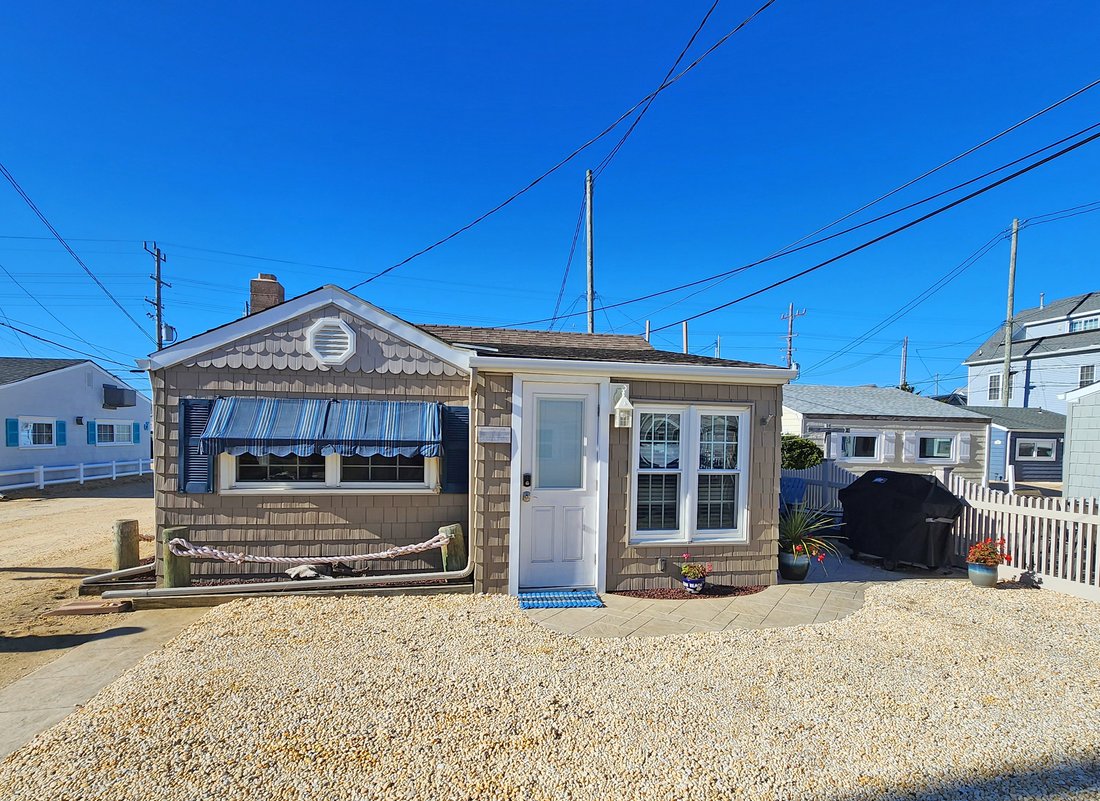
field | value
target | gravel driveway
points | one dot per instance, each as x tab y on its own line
932	690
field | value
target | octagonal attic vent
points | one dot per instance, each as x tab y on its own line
331	341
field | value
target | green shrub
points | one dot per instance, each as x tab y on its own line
800	453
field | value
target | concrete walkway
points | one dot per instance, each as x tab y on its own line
820	599
42	698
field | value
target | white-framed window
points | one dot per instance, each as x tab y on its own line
1036	450
936	447
1087	375
383	474
1086	324
994	393
690	474
114	432
858	446
36	432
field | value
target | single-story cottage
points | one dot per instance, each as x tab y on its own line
324	425
62	414
1031	441
885	428
1081	465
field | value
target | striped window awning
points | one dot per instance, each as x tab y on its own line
384	428
307	426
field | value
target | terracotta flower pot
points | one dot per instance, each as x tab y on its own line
982	575
793	567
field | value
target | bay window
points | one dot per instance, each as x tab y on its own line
689	476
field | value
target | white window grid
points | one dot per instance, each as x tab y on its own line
227	480
37	432
1086	376
114	432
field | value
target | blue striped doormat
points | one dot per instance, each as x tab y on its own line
558	599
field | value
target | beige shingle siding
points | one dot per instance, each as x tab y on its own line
302	524
286	347
492	485
631	568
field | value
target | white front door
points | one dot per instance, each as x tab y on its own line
559	493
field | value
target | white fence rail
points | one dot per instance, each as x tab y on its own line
1054	539
41	476
818	486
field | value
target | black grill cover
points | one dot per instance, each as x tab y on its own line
886	514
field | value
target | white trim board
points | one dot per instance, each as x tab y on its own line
560	369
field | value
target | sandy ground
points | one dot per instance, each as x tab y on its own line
48	542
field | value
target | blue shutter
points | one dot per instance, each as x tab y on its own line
137	433
11	432
90	424
196	471
456	449
59	433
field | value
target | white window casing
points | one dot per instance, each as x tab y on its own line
955	447
1036	450
114	432
847	444
37	432
994	387
696	507
331	341
1086	376
228	483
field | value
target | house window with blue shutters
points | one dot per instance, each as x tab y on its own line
32	432
114	432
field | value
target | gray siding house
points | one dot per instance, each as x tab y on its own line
884	428
1055	349
1032	441
66	412
1081	466
323	425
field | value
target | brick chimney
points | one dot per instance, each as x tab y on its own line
265	291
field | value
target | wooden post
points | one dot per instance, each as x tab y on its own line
177	569
127	540
454	552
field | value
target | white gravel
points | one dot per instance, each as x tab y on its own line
932	690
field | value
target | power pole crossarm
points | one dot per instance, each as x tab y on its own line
157	303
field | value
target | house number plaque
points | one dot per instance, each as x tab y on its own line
494	434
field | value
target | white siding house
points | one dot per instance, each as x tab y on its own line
68	412
1055	349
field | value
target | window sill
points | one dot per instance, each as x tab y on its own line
36	447
322	490
1036	459
113	444
680	543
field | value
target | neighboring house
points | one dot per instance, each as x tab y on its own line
1031	440
324	425
1055	349
1081	465
954	398
67	412
883	428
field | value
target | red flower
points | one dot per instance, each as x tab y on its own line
1008	559
821	557
798	549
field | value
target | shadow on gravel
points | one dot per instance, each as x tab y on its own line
1067	780
32	643
128	487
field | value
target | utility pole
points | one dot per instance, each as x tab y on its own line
718	347
158	306
937	383
1006	371
903	384
685	336
647	330
789	317
591	260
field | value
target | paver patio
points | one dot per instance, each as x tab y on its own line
821	598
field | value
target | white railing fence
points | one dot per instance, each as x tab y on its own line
1055	540
41	476
818	486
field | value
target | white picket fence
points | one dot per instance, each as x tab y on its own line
821	485
1053	539
44	475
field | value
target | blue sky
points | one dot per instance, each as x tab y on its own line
352	135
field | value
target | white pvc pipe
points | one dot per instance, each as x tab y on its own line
126	572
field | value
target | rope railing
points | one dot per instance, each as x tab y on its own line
181	547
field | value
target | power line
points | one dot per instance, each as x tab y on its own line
64	347
671	70
27	199
569	261
718	278
888	234
572	155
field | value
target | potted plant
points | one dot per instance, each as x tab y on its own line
694	575
982	560
802	538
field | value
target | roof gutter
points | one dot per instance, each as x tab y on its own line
685	372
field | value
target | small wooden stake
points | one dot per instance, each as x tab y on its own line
127	540
454	552
177	569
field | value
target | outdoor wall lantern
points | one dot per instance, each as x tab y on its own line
624	409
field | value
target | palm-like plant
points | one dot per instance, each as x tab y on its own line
801	533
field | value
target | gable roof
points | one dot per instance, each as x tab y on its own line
570	345
14	369
993	348
1016	419
870	402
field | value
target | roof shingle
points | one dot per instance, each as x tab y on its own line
869	402
14	369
